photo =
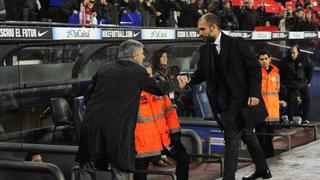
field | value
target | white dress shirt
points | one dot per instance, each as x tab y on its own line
217	42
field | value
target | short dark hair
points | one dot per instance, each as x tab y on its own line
264	52
211	19
29	155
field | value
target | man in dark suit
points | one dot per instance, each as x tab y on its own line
107	132
233	76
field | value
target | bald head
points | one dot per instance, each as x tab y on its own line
210	19
209	26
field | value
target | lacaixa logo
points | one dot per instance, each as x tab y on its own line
78	33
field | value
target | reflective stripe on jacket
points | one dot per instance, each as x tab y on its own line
270	89
157	118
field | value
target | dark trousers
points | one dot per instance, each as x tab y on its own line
266	141
293	103
182	169
234	131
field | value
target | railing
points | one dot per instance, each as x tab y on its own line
32	167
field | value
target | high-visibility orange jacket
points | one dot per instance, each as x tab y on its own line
157	118
270	89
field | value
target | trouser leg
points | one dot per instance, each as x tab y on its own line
292	104
183	161
255	150
141	166
305	96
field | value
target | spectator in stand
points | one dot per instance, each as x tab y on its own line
248	17
34	156
107	13
13	9
282	22
188	16
86	12
308	23
270	89
31	9
202	7
213	7
228	19
296	74
167	8
299	20
148	11
267	23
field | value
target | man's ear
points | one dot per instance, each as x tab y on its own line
134	55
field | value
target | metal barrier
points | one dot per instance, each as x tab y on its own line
32	167
164	173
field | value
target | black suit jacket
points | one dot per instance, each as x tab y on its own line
107	131
242	71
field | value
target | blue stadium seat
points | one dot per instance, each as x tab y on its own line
78	112
131	19
201	102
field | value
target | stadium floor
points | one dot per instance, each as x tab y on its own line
301	162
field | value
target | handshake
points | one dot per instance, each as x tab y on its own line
183	80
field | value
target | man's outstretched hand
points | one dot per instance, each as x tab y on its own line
183	80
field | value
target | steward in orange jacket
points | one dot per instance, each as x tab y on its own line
157	118
270	89
158	132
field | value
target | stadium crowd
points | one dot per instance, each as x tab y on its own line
270	15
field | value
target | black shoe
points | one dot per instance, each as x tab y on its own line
256	175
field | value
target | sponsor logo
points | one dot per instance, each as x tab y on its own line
76	33
25	33
7	32
120	33
153	34
217	141
40	34
245	35
186	34
279	35
310	34
296	35
261	35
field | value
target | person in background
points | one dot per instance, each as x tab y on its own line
160	64
34	156
86	13
228	19
296	74
270	89
158	132
248	17
112	103
106	12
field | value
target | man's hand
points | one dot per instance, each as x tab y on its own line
283	103
183	80
253	101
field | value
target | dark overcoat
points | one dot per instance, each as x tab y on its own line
107	132
241	69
